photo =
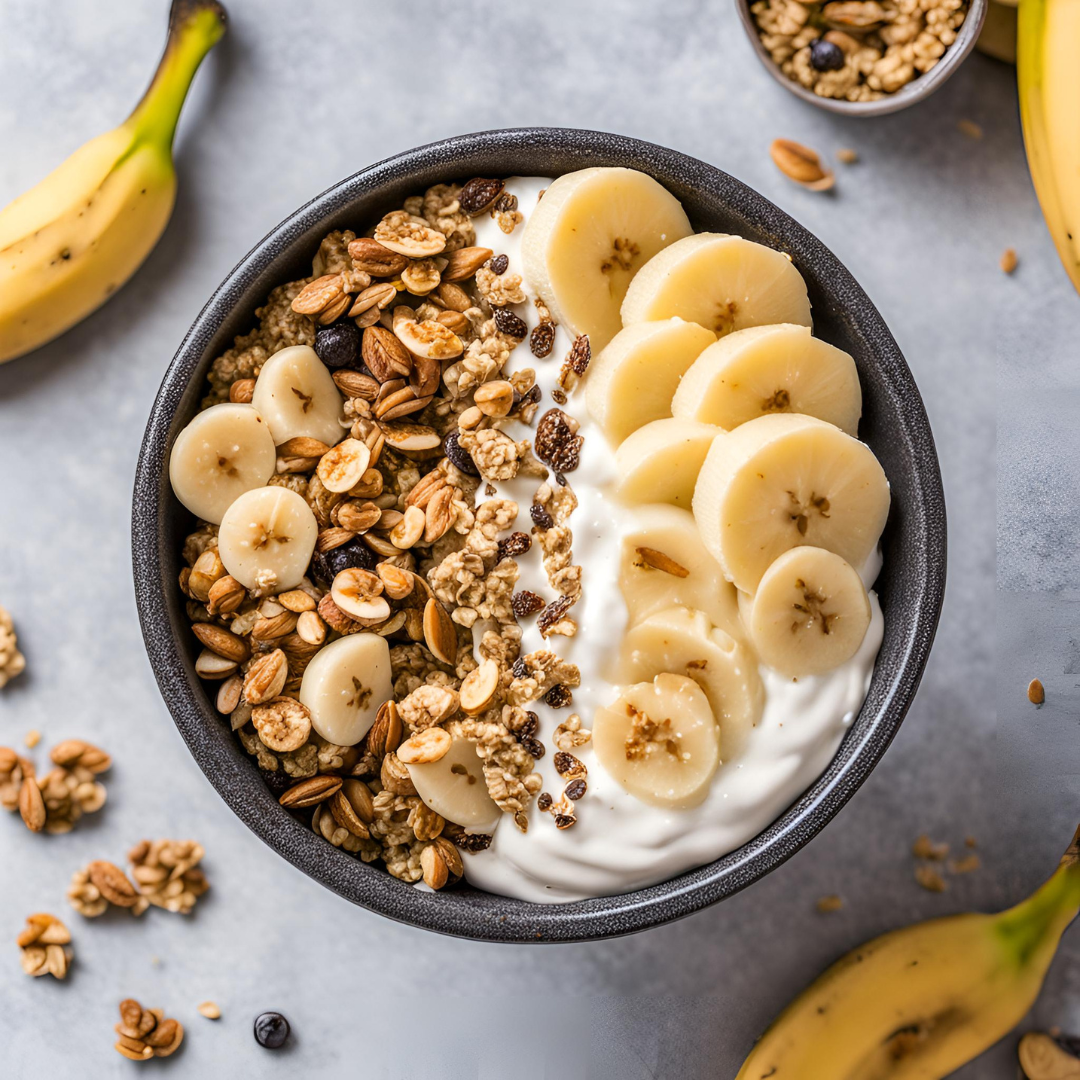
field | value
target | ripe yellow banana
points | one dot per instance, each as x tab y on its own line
918	1003
69	243
1049	80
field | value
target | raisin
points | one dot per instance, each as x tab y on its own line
326	565
558	395
580	354
541	518
559	696
568	765
510	324
520	668
533	747
553	613
505	203
478	194
526	603
462	459
499	264
471	841
575	789
529	729
542	339
531	396
278	781
510	547
557	444
564	821
544	801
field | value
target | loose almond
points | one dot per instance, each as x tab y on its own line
112	883
384	355
32	805
440	632
659	561
310	792
222	642
801	164
464	263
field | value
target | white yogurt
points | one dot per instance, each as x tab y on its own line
619	843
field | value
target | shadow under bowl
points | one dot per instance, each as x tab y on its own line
894	424
917	90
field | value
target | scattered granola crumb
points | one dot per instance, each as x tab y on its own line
970	129
12	662
966	864
1009	260
969	841
45	946
210	1010
166	873
847	157
830	903
929	877
925	848
32	738
1036	693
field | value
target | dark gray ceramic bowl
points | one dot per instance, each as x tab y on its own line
894	424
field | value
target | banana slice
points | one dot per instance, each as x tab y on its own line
781	481
810	613
344	686
454	787
663	562
634	379
660	741
586	239
225	451
661	461
723	282
770	369
296	395
266	539
683	641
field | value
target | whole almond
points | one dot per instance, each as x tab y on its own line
425	376
453	297
310	792
208	568
32	805
360	799
242	391
328	539
297	600
801	164
371	257
112	883
228	695
277	626
302	446
344	814
373	299
76	752
266	677
222	642
436	872
465	262
319	295
385	734
356	384
431	744
384	355
440	515
163	1034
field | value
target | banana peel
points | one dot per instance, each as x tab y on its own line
918	1003
70	242
1048	33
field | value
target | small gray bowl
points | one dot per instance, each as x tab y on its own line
916	90
894	423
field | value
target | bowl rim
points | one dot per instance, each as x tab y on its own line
911	93
485	916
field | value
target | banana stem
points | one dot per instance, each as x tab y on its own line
195	26
1037	923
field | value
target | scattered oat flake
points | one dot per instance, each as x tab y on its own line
1008	260
929	877
966	864
847	157
32	738
209	1010
1036	693
826	904
970	129
925	848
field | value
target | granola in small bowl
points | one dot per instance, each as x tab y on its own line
451	584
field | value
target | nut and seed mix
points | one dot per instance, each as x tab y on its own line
416	543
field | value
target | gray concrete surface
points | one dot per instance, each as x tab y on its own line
300	95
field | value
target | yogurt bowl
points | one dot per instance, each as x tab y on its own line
910	587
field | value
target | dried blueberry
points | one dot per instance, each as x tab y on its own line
326	565
271	1030
826	56
499	264
338	346
459	457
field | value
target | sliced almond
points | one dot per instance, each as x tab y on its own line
228	695
208	665
440	632
373	298
659	561
407	436
342	466
478	688
356	384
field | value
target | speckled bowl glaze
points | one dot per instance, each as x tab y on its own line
917	90
894	424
